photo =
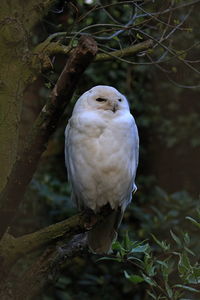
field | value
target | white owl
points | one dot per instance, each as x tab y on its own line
101	154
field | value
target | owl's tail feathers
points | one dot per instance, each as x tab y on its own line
101	237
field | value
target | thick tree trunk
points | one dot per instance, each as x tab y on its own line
11	88
15	73
13	83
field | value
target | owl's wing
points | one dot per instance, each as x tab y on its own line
136	154
68	162
66	149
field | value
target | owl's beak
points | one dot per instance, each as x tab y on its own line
115	107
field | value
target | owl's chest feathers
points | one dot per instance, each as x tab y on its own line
101	126
102	141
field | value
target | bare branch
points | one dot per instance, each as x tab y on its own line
172	52
163	38
109	14
117	33
170	9
126	52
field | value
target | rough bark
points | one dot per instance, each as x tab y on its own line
17	71
12	249
28	284
13	78
47	268
44	126
44	270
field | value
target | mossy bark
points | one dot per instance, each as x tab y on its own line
12	249
16	72
12	83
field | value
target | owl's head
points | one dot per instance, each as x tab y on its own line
102	97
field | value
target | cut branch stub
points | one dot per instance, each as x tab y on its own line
44	126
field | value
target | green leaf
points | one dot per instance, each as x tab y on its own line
134	258
127	242
75	43
184	266
118	247
165	269
115	38
189	251
134	278
186	287
186	238
194	276
140	249
148	280
48	85
149	268
152	295
169	290
176	239
176	21
162	263
181	54
138	36
162	244
118	259
174	69
193	221
189	29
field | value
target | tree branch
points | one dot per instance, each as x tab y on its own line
44	50
45	269
126	52
44	126
47	49
12	249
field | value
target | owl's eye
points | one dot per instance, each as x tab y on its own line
120	100
101	100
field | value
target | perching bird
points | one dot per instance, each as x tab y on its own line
101	154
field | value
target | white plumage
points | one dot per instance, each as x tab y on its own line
101	153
